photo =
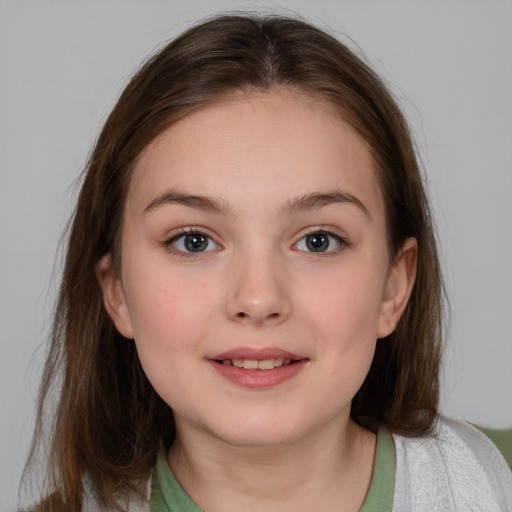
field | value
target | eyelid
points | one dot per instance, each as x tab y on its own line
183	232
342	241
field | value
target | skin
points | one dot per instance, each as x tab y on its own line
257	285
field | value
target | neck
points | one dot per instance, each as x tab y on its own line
332	466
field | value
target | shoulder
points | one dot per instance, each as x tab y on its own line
91	505
457	468
132	503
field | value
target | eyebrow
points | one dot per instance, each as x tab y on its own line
308	202
198	202
315	201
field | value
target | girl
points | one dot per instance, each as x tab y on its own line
250	312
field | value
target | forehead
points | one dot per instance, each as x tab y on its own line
270	145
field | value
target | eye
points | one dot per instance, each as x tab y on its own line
320	241
192	242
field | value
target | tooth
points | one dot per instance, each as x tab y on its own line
253	364
266	364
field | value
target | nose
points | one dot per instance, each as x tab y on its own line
259	291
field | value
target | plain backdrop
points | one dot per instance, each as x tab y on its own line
63	64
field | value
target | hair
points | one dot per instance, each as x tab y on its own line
109	423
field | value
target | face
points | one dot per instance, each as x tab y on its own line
255	274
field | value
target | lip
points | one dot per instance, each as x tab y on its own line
257	353
258	379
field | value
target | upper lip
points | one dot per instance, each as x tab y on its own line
258	354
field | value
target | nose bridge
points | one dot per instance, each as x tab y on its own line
259	291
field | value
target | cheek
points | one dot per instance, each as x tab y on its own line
163	302
170	316
345	306
345	321
342	309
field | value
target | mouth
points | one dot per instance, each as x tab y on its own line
255	364
258	368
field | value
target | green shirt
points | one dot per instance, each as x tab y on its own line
169	496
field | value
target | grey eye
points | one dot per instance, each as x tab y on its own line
193	243
320	241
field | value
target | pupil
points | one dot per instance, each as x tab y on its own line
196	242
318	242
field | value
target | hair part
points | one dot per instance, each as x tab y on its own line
109	422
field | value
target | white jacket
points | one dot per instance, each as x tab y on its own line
459	469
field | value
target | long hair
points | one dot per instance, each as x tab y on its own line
109	422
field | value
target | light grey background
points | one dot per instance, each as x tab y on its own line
62	65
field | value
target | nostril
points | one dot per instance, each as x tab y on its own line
272	316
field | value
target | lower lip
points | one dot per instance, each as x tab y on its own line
257	379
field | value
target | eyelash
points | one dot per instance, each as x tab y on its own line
184	232
339	240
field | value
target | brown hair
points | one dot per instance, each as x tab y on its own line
109	422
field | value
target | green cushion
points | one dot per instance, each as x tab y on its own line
502	438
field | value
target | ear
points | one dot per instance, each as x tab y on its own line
113	296
398	288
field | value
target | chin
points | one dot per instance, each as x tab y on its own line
260	434
258	440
